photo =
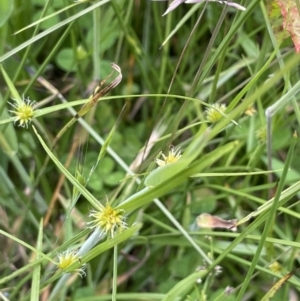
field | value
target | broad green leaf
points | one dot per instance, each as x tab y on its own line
162	174
66	60
114	178
146	195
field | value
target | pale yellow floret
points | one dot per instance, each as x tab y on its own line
214	113
173	156
23	111
66	259
109	220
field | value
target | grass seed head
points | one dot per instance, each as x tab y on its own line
66	259
214	113
23	110
173	156
109	220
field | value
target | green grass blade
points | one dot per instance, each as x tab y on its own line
14	92
47	17
90	198
26	245
36	276
115	274
49	30
146	195
182	287
269	222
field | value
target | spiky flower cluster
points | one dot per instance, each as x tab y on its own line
24	111
108	220
66	259
261	135
214	113
173	156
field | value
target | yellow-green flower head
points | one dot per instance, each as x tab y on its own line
261	135
250	111
24	111
173	156
66	259
108	220
214	113
275	267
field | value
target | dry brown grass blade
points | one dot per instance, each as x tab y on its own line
277	286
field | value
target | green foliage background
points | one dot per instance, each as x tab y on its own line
174	68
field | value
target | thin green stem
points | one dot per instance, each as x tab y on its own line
115	274
96	44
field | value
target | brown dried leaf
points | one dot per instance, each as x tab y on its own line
277	286
291	20
276	20
205	220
